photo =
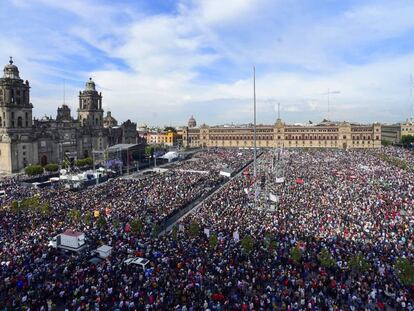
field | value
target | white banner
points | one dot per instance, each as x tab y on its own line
280	180
273	197
236	236
207	232
181	228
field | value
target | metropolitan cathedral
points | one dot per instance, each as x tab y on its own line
24	140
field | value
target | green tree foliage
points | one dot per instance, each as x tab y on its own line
84	162
101	222
247	244
170	129
385	143
270	242
194	229
296	254
65	164
174	233
407	139
405	271
30	203
136	226
156	229
358	263
116	223
74	215
87	217
45	208
33	170
149	151
51	167
326	259
213	241
395	161
15	208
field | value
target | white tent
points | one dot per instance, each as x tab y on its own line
170	156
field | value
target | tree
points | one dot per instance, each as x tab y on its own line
270	242
358	263
74	215
385	143
174	233
407	140
326	259
115	222
149	151
51	167
194	229
136	226
213	241
170	129
155	230
33	170
87	217
84	162
101	222
45	208
247	244
15	207
405	271
30	203
296	254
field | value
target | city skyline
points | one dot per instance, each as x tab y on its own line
159	62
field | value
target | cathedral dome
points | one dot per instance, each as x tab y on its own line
11	71
192	122
90	85
109	120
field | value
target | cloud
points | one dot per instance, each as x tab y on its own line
197	57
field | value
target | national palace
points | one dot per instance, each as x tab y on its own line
326	134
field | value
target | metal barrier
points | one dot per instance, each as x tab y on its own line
175	216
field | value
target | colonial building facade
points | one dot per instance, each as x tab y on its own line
394	132
24	140
340	135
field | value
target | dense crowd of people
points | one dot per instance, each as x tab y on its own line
216	159
329	241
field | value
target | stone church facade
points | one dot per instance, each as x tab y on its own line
25	141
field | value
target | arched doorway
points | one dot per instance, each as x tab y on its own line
43	160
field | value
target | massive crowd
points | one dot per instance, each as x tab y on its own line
235	251
216	159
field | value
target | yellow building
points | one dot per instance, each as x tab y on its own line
169	138
342	135
161	138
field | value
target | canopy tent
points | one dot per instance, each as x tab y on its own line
170	156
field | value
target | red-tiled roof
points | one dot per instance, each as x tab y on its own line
72	233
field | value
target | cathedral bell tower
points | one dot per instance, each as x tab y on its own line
15	106
18	144
90	112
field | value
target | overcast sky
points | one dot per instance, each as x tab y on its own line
161	61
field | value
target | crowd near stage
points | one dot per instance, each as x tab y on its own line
313	230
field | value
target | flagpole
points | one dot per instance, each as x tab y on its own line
254	124
254	136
